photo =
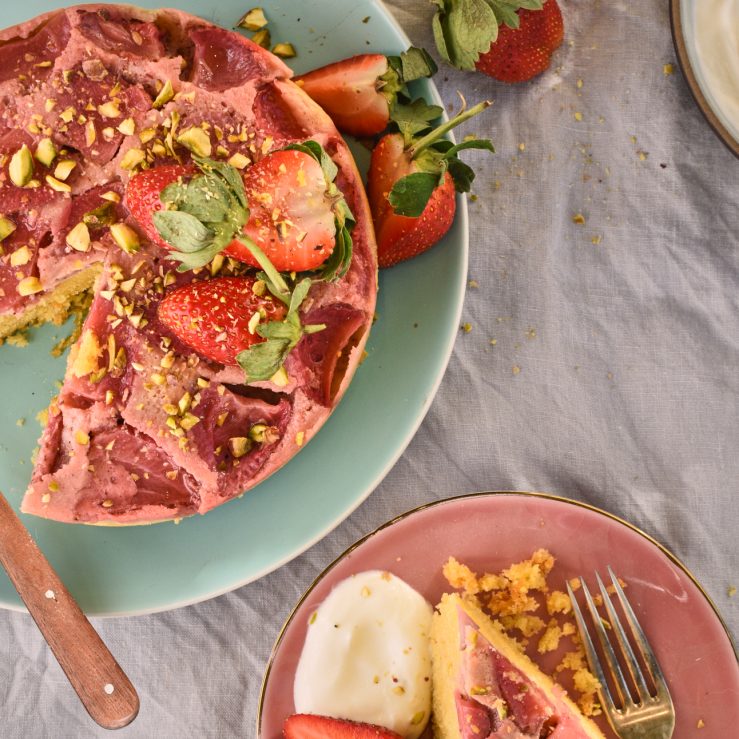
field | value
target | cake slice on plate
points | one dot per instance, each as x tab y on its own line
484	687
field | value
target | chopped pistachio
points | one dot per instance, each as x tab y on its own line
81	437
147	134
20	257
170	409
252	20
254	322
109	395
164	96
46	152
184	402
79	237
126	238
68	114
202	382
188	421
64	168
132	158
90	133
262	38
127	127
299	438
57	185
196	140
111	196
29	286
109	109
157	379
20	168
221	418
6	227
284	50
280	378
107	503
103	215
239	445
53	486
238	160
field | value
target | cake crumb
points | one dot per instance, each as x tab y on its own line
668	69
579	219
731	591
550	638
20	422
558	602
460	576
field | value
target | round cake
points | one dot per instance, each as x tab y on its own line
147	426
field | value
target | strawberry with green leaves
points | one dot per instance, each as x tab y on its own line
286	205
509	40
252	322
412	181
311	726
359	93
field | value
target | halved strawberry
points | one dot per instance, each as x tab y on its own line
311	726
411	187
219	318
358	93
291	216
286	205
510	40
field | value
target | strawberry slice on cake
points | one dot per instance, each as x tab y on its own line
485	688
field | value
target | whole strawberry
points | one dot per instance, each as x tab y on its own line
518	54
411	187
510	40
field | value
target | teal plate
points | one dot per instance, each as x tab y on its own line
127	571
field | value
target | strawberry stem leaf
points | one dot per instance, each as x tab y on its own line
261	361
412	64
411	193
444	128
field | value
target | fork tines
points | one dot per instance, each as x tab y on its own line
624	701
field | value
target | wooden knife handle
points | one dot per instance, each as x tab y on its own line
100	683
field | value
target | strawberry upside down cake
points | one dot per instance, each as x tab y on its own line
222	221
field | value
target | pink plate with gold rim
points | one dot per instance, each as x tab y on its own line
489	531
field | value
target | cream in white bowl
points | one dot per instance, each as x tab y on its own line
366	655
717	46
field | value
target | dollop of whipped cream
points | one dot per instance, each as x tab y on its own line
366	655
717	44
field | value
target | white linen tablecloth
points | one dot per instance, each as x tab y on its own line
613	376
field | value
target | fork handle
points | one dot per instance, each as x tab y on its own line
97	678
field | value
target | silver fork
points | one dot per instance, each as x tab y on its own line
651	715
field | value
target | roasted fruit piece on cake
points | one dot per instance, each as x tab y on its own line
156	419
484	687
